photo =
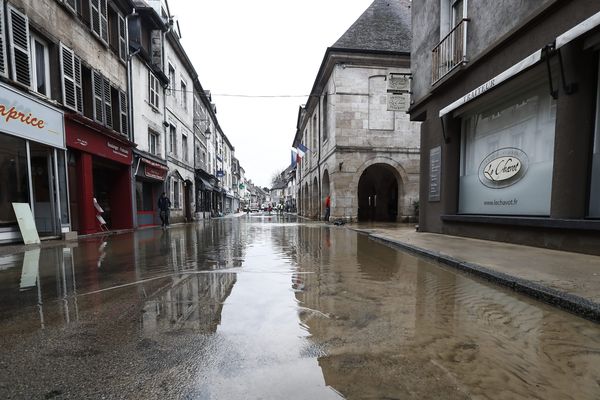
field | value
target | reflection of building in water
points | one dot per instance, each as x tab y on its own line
45	274
191	301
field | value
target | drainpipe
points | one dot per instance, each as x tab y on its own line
130	124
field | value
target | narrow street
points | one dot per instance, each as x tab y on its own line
270	307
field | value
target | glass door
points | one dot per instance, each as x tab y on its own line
42	179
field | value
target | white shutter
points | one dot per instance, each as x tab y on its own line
172	189
68	77
78	86
107	104
18	34
181	205
122	38
103	21
72	4
123	106
3	67
95	16
98	87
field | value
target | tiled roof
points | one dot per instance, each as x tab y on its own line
384	26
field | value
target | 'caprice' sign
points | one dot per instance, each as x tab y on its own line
503	167
13	114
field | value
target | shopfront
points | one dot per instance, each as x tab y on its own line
99	175
204	189
32	164
150	174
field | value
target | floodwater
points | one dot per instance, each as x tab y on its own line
262	307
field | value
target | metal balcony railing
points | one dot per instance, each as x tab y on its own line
450	52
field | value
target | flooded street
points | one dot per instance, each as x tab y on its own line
265	307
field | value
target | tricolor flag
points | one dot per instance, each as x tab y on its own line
301	149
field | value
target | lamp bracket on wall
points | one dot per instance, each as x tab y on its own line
568	88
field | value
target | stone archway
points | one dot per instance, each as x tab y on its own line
325	189
378	194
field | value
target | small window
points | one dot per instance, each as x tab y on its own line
184	95
153	98
172	84
184	147
314	134
173	140
41	66
153	142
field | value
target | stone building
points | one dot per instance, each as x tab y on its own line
507	93
148	88
362	148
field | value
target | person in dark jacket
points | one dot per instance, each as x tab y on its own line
164	205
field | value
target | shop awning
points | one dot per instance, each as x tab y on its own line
151	169
578	30
206	184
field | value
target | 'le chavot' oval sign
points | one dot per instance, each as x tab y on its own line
503	167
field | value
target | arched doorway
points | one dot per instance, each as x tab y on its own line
325	190
378	194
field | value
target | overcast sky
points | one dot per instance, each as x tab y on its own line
261	47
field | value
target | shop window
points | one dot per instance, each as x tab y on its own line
153	86
153	143
507	155
144	196
41	65
594	208
13	169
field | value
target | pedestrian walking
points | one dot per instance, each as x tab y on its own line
327	207
164	205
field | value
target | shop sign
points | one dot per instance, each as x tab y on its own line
97	144
29	118
154	170
503	168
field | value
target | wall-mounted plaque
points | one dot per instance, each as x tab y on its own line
435	169
398	102
398	83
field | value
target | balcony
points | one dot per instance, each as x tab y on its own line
450	52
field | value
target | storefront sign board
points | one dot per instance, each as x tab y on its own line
79	137
29	118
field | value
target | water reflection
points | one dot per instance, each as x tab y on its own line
266	307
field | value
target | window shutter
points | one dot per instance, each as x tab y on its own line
72	4
95	16
98	86
69	93
181	196
107	104
18	33
78	86
103	21
3	67
122	39
123	105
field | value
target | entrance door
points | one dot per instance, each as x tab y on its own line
42	178
378	194
187	195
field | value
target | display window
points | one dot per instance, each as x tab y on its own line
14	175
507	153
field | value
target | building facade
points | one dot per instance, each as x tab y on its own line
508	99
360	147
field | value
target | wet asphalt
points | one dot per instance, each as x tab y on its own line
268	307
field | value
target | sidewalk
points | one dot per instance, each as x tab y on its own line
567	280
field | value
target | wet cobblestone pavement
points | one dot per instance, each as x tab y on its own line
265	307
